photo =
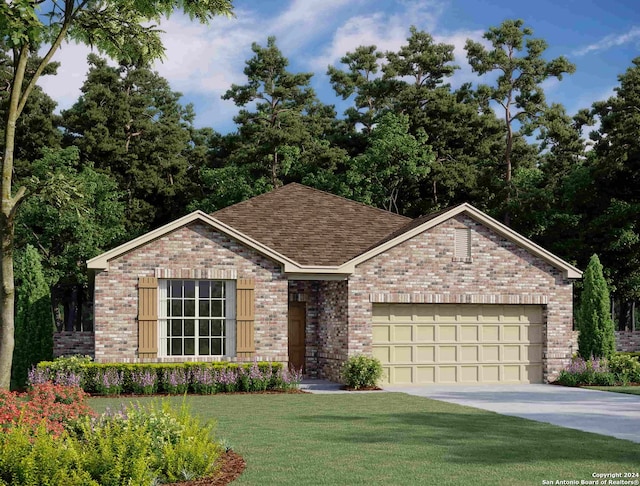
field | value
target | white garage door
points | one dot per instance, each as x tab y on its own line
458	343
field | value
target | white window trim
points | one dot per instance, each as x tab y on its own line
230	320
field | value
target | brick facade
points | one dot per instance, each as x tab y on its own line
423	270
192	251
70	343
338	312
628	341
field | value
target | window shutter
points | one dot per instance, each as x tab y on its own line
245	317
463	244
147	317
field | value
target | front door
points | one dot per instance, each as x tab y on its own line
297	323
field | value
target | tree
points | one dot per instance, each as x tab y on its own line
80	203
518	89
464	133
283	139
596	336
394	163
614	210
34	321
360	79
123	29
130	123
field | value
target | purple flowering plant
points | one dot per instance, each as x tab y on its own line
144	382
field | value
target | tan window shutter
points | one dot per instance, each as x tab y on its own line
245	317
147	317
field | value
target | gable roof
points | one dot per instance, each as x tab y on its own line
310	226
311	232
423	223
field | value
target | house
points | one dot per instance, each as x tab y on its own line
302	276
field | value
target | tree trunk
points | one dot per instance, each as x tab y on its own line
6	300
9	205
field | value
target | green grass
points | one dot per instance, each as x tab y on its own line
397	439
630	390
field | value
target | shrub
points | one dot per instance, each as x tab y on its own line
57	407
597	337
132	446
109	382
175	381
626	368
361	371
144	382
587	372
173	378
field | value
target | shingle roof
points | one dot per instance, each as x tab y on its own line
310	226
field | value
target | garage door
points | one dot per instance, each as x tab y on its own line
451	343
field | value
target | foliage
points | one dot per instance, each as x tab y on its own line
612	208
34	320
283	139
394	161
121	29
618	369
626	368
597	337
56	407
171	378
129	123
132	446
518	88
361	371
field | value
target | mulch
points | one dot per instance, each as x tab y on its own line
231	466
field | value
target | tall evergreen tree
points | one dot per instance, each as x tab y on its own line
128	122
518	89
613	212
596	336
284	138
34	320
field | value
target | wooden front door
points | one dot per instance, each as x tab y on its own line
297	323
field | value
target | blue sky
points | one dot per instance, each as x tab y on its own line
600	38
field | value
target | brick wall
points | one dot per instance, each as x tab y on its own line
188	252
627	341
423	270
68	343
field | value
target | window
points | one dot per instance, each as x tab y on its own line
197	317
462	252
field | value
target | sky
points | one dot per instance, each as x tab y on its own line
600	37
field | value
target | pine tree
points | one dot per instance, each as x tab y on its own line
594	316
34	320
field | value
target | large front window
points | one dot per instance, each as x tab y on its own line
197	317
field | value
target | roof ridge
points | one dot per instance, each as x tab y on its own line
324	193
327	193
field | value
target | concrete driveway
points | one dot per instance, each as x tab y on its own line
606	413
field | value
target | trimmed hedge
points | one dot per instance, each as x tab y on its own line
171	378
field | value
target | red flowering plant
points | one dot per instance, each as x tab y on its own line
57	406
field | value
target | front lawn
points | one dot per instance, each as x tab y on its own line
393	438
630	390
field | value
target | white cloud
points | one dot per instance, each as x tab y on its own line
65	86
387	32
610	41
